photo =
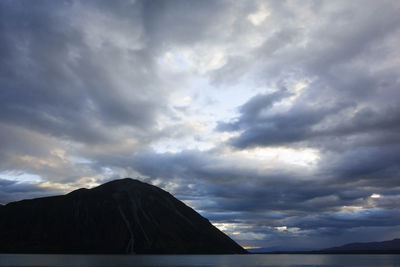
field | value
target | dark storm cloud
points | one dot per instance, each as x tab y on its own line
252	109
373	162
85	74
87	71
348	110
370	218
182	22
342	61
56	73
275	130
231	185
55	82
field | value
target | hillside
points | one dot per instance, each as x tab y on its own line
121	216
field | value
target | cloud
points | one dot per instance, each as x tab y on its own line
11	190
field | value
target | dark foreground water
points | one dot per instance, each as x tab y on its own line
201	260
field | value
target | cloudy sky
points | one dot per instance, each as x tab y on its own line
277	120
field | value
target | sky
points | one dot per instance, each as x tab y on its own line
279	121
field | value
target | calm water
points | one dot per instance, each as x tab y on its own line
201	260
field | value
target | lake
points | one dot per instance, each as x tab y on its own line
303	260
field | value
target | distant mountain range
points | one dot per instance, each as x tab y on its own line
384	247
121	216
390	246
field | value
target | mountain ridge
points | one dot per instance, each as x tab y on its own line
387	245
377	247
120	216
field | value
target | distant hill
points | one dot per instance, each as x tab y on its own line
384	247
122	216
391	246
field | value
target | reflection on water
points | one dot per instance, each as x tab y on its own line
200	260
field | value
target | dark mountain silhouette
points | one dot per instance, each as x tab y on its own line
384	247
391	246
121	216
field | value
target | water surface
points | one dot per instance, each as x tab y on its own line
45	260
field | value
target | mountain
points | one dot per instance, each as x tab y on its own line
391	246
121	216
384	247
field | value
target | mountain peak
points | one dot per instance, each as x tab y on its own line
119	185
124	182
120	216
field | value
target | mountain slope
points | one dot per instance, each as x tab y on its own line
391	245
122	216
